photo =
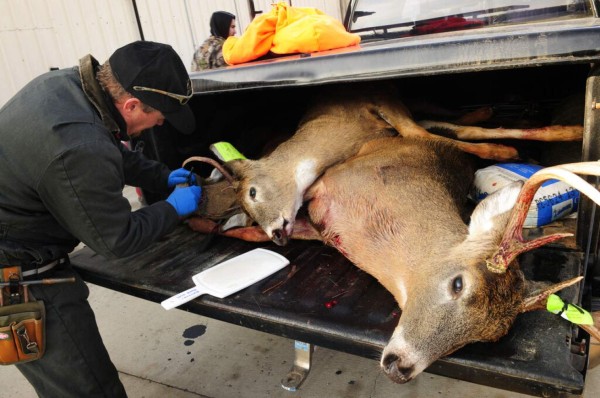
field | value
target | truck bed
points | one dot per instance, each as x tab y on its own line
323	299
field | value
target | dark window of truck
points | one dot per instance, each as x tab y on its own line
385	19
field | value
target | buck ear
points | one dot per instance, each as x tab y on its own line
491	214
537	293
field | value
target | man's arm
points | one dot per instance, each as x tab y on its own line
83	191
140	171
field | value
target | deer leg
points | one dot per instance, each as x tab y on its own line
303	230
206	226
407	127
548	133
486	151
477	116
394	113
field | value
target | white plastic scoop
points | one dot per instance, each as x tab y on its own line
231	276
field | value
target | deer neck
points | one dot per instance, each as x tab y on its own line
400	257
306	171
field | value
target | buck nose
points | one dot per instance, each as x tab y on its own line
391	364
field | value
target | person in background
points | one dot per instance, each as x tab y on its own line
62	172
210	54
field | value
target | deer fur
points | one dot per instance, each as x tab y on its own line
397	210
271	189
338	123
420	249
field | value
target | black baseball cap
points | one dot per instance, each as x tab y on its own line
153	73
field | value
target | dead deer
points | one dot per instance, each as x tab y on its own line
339	122
396	210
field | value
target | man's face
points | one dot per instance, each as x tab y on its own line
144	121
136	119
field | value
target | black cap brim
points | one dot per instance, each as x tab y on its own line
182	119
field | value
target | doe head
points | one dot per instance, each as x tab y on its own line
269	197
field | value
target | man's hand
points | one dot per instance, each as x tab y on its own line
185	200
181	176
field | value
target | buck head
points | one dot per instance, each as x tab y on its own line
463	299
269	196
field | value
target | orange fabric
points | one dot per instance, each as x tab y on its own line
255	42
288	30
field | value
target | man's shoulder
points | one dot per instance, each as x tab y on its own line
56	79
63	98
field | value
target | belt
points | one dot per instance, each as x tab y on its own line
41	269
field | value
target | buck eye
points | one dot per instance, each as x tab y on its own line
457	285
252	193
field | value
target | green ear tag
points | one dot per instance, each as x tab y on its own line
570	312
226	152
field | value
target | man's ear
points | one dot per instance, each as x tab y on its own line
130	104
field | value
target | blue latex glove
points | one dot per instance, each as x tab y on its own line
181	176
185	200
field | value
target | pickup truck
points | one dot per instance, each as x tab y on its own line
533	62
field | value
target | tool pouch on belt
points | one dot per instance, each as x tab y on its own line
22	336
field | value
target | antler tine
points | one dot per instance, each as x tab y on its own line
213	163
539	301
512	243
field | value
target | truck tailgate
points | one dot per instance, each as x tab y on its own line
321	298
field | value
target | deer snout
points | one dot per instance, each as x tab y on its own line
397	371
281	235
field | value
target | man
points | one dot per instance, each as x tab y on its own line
62	172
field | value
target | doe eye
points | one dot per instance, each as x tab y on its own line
252	193
457	284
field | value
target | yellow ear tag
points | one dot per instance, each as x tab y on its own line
568	311
226	152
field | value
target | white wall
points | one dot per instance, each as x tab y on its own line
36	35
184	24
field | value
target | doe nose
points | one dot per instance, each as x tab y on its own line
391	366
280	237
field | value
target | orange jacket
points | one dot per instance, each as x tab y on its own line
288	30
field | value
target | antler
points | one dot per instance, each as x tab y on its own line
512	243
213	163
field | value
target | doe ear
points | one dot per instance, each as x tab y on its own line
537	293
238	167
492	213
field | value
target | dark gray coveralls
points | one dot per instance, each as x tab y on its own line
62	171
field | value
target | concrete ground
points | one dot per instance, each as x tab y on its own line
177	354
